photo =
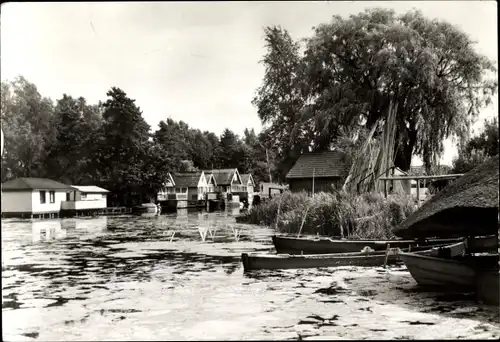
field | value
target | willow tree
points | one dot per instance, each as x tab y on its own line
429	68
353	68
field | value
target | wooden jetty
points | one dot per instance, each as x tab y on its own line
110	211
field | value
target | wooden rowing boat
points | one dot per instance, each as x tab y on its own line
145	209
294	245
456	273
256	261
322	245
450	266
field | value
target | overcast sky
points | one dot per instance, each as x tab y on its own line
193	61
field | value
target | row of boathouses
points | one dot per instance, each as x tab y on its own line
312	172
195	188
43	197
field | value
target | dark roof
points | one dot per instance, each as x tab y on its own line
27	183
324	164
245	177
222	176
467	206
187	179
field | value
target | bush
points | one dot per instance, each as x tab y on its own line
366	216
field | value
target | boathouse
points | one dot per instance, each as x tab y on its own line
167	190
192	184
211	183
320	171
85	198
33	197
250	187
228	183
248	181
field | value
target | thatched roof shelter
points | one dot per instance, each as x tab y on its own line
466	207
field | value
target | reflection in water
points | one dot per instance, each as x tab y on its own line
86	225
125	277
235	211
47	230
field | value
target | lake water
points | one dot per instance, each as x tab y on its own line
128	278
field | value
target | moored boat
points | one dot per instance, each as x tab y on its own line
455	273
145	209
295	245
256	261
467	208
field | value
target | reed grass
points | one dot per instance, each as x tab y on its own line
366	216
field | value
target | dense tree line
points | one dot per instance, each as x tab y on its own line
324	91
339	81
110	144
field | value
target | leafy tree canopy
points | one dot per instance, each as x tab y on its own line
345	75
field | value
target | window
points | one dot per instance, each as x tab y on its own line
42	197
103	195
52	196
68	196
83	196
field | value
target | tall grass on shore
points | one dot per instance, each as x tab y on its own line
366	216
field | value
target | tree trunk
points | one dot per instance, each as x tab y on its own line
405	151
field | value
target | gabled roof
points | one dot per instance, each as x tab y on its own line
89	189
245	177
322	164
187	179
209	176
28	183
223	176
467	206
170	178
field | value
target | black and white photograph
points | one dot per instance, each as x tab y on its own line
249	170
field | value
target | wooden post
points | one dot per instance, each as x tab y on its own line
387	254
418	192
385	183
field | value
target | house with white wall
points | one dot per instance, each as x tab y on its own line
228	183
168	190
248	181
29	197
192	184
85	197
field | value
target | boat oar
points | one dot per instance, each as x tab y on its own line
278	214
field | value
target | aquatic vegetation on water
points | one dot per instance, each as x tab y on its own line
369	215
132	282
